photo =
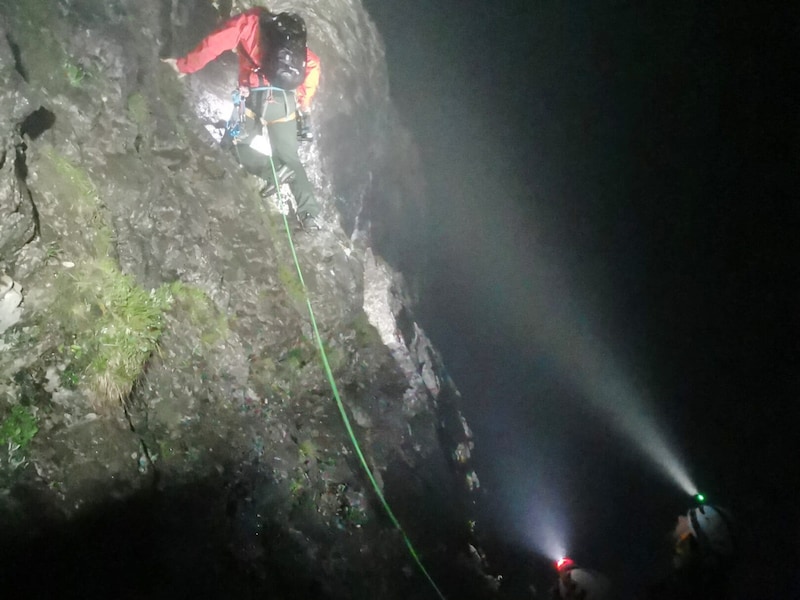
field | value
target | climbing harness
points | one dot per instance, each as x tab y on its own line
235	126
286	119
269	88
345	419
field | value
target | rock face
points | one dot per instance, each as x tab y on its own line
10	303
167	428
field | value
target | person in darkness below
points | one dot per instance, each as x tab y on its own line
272	54
703	557
576	583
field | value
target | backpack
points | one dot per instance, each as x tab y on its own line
283	42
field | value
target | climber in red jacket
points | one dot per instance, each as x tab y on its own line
272	54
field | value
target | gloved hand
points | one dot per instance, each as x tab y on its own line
173	64
304	132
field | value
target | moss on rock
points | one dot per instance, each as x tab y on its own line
201	312
114	324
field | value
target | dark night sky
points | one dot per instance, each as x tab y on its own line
631	163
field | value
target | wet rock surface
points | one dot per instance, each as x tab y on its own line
167	428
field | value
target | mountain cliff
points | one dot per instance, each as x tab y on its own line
167	425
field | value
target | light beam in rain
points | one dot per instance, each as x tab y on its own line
555	315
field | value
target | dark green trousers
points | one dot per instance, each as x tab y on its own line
273	105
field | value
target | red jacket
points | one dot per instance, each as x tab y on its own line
241	34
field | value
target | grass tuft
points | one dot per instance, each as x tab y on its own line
122	324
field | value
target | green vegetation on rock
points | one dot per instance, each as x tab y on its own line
291	283
74	72
80	195
76	177
43	53
353	515
127	330
201	312
115	325
139	110
366	334
111	326
18	428
308	450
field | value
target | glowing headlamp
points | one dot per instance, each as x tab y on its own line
564	563
700	498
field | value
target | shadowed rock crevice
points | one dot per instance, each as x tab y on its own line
20	68
24	209
37	123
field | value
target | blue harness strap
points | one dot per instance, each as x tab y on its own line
235	123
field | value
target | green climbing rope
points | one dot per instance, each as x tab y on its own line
329	373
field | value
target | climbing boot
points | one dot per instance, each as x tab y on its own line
285	175
308	222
